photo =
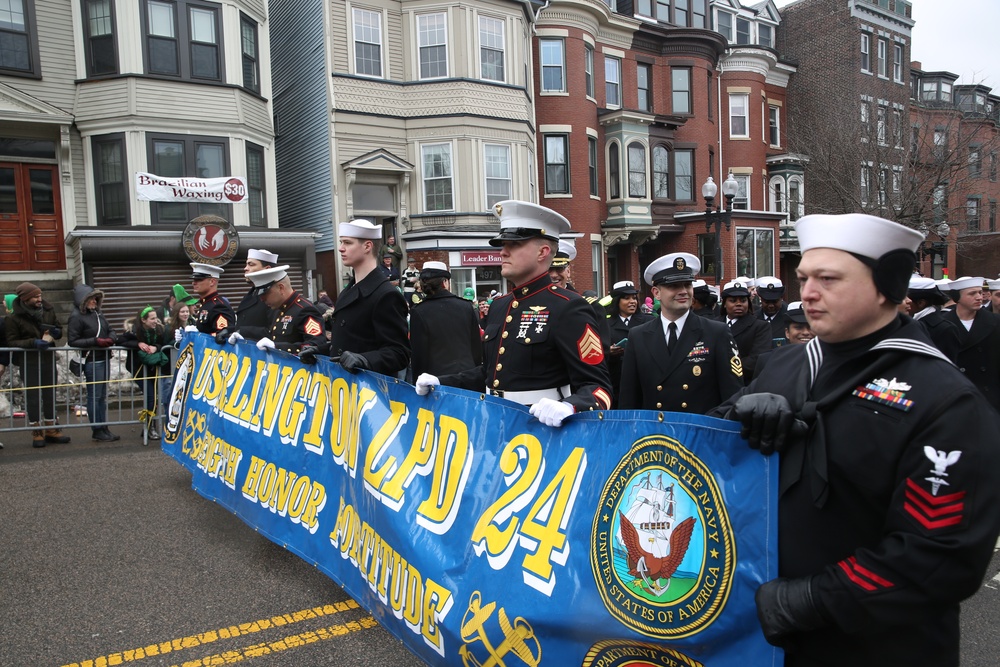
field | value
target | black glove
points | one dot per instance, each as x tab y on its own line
307	354
785	606
55	332
767	420
222	337
352	361
42	344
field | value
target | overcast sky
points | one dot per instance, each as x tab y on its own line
954	36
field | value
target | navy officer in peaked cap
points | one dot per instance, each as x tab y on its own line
753	336
771	292
215	315
541	341
295	322
889	478
678	362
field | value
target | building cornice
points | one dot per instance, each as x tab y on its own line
750	59
881	17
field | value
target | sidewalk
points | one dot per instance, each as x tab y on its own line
17	444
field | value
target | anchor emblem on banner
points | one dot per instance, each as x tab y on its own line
515	640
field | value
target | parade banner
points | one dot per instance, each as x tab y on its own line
223	190
477	535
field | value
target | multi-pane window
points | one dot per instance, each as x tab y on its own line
255	185
897	63
743	30
491	48
99	27
644	78
866	178
794	200
661	173
741	201
774	126
882	56
897	127
592	164
432	42
993	217
614	172
111	196
724	25
18	38
738	111
680	89
765	35
438	186
182	155
975	162
698	13
866	52
993	167
972	214
613	81
183	39
865	120
553	65
636	170
880	126
684	175
248	46
556	164
754	252
588	69
939	203
498	179
706	253
367	42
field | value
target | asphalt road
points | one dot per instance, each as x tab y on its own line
107	557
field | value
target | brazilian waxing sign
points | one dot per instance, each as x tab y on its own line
474	533
224	190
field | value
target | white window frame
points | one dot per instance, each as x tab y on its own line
644	171
425	179
796	207
728	34
866	53
883	58
881	123
741	202
612	66
770	41
756	269
485	36
776	195
361	13
506	164
564	137
561	65
897	62
750	31
423	33
588	69
774	113
745	99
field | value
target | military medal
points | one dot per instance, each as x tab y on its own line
696	371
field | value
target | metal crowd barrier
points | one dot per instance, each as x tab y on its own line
125	391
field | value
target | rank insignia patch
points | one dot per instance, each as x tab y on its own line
221	322
589	347
312	327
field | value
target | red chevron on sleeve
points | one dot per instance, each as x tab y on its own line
862	576
933	512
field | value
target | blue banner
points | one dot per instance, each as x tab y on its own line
474	533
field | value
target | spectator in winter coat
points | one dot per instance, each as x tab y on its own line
149	361
89	330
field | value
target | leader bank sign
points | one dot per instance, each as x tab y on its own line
223	190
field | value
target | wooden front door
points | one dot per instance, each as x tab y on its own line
31	233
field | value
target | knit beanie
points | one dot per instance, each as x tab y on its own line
8	300
27	291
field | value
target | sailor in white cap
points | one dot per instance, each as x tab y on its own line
541	345
678	362
753	336
444	332
215	315
889	480
368	326
253	318
771	292
295	322
925	302
994	304
706	300
623	315
979	332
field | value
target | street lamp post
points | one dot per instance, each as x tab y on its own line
719	216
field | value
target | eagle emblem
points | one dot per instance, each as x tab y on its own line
650	568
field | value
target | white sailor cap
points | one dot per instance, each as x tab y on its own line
918	282
520	220
856	233
795	313
770	288
746	280
263	279
262	256
200	271
735	288
994	285
943	283
623	288
434	270
677	267
965	282
360	229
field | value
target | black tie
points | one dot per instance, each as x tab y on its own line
731	323
671	337
626	321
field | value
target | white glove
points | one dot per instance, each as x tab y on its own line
235	336
191	329
551	412
425	383
178	333
264	343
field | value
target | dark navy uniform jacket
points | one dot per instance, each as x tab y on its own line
253	317
753	338
777	325
979	357
704	370
215	315
541	336
370	319
617	330
898	520
444	335
944	333
295	323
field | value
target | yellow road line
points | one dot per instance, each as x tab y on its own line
193	641
290	642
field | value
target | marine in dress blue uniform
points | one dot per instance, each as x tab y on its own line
253	317
295	322
215	315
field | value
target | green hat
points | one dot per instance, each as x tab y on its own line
182	296
469	293
8	300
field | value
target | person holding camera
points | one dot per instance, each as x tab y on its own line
623	314
89	330
33	325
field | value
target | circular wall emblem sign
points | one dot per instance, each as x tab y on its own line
663	550
210	239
